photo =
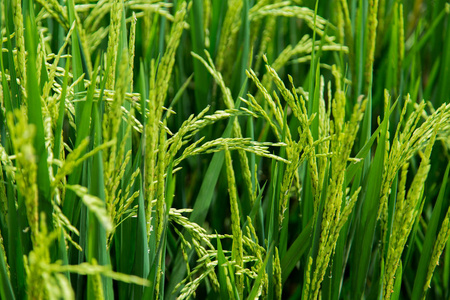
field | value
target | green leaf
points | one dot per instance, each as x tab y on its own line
364	152
35	117
70	207
254	292
97	233
77	67
201	77
219	9
6	291
159	255
243	41
15	99
425	37
299	247
365	231
15	252
398	282
141	263
221	270
62	105
430	238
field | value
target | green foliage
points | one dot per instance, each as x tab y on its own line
237	149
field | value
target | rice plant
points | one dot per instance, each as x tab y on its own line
235	149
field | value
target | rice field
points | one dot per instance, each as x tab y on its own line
240	149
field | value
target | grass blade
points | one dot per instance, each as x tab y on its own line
6	291
366	229
35	117
430	237
296	251
221	270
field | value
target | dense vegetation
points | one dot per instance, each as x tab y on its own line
224	149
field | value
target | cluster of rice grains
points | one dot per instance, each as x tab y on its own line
97	135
